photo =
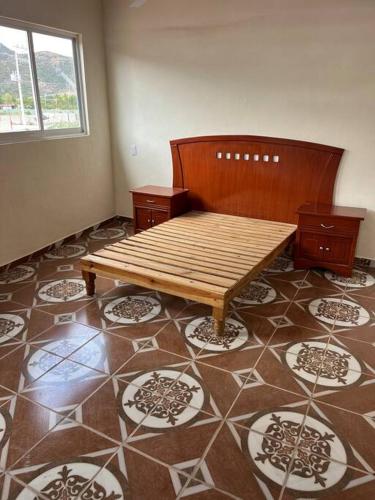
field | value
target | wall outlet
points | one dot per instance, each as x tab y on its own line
133	150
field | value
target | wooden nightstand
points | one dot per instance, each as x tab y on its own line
327	237
153	205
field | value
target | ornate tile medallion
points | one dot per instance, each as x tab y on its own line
335	366
69	479
339	312
163	395
200	333
359	279
45	362
107	234
312	471
63	290
10	326
65	252
280	265
132	309
16	274
5	426
256	293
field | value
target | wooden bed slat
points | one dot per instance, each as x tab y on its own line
241	235
223	239
242	259
180	250
178	261
211	247
167	268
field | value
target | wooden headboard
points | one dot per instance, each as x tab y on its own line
253	176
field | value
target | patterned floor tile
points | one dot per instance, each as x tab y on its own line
24	365
147	360
320	278
339	435
16	277
283	336
362	353
16	416
283	370
232	468
138	332
175	444
172	338
212	380
317	314
67	474
336	481
364	333
24	294
103	410
265	297
65	384
162	482
12	487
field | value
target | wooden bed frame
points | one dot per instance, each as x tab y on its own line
244	192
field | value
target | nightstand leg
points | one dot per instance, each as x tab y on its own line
90	282
219	314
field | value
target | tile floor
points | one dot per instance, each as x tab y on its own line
127	394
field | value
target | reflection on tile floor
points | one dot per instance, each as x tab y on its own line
129	395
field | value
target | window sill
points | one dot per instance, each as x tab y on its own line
21	137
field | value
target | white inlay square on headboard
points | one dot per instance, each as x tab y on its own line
275	158
219	155
227	156
246	156
266	158
237	156
256	157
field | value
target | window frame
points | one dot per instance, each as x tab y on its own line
41	133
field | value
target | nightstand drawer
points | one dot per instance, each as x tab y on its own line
148	200
328	225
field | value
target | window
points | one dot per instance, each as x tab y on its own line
41	83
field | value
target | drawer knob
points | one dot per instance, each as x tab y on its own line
153	221
327	249
148	220
150	201
327	227
321	248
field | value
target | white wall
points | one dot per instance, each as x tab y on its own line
288	68
51	189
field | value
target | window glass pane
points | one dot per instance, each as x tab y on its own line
57	81
17	100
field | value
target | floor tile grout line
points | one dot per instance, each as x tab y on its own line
203	456
294	452
26	486
91	481
168	466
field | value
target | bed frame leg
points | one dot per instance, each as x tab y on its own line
90	282
219	320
